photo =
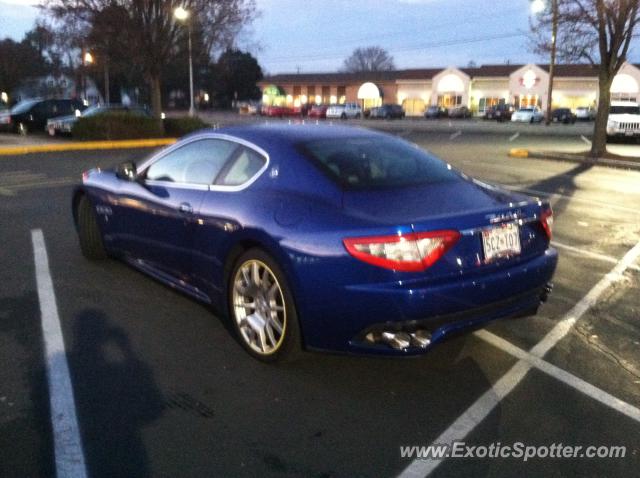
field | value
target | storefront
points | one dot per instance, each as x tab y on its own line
477	88
451	88
369	96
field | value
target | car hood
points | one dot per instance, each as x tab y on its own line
423	203
624	117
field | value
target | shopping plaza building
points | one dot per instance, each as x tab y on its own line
477	88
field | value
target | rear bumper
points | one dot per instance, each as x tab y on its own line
341	319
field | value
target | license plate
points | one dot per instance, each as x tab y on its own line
52	131
501	241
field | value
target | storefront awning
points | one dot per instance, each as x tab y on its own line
273	90
369	91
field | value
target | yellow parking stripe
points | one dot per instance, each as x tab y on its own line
519	153
85	146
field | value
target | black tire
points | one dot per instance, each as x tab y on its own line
289	347
343	116
358	115
89	233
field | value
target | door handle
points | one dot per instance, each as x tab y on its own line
186	208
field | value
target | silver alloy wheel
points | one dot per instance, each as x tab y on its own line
259	307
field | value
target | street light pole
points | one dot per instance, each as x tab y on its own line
183	15
192	109
552	63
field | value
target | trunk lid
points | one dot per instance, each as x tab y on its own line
467	206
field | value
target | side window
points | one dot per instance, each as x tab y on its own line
245	166
198	162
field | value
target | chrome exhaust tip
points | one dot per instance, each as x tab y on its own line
396	340
420	338
546	290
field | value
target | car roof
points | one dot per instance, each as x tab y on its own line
265	135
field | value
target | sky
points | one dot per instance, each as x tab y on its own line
317	35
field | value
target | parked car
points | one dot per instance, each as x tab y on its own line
460	112
501	112
65	124
530	114
563	115
252	108
347	110
276	111
32	115
387	111
341	253
585	113
318	111
436	112
623	120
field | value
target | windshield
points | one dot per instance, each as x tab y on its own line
23	106
376	162
621	110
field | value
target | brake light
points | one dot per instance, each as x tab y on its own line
546	218
407	253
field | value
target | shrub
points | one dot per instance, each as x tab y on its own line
117	126
177	127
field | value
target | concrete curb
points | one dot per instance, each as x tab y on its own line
85	146
612	163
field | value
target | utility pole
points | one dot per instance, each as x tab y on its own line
552	63
107	97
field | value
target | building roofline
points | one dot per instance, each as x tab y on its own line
563	70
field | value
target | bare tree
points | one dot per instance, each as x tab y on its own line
597	31
372	58
153	33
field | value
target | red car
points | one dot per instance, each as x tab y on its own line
276	111
318	111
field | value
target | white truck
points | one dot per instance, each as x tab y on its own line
347	110
624	119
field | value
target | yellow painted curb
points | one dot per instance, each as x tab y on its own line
519	153
85	146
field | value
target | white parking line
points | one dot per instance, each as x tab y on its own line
513	137
585	139
562	375
455	135
593	255
481	408
537	192
69	456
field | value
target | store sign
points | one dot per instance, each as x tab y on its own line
529	79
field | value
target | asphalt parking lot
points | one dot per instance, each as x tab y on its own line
162	389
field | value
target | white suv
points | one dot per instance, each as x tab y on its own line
624	119
347	110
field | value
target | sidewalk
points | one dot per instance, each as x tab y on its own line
623	162
11	139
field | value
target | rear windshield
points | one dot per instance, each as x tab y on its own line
375	162
620	110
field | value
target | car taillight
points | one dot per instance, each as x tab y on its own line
407	253
546	218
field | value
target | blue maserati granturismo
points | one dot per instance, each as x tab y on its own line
322	237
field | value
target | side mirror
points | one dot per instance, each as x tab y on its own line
127	171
